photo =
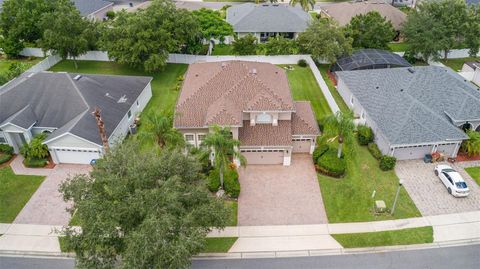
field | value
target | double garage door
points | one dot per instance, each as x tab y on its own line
263	156
77	156
418	152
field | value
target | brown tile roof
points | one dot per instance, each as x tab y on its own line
344	12
303	120
218	93
266	134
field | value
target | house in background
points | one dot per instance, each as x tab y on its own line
253	99
266	20
413	111
471	71
61	105
93	9
369	59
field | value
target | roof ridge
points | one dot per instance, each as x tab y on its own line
77	89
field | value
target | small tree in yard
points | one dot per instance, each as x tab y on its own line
370	30
212	25
246	45
224	147
280	45
159	127
141	209
340	127
472	145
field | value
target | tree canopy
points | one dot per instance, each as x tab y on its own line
212	25
370	30
323	39
141	210
279	45
246	45
145	38
305	4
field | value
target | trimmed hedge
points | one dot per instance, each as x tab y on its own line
330	165
365	135
35	163
374	150
5	157
230	182
302	63
7	149
318	152
387	163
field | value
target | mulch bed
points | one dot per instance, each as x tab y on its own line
5	164
332	77
463	157
50	164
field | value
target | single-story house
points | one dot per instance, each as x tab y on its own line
472	71
254	100
345	11
266	20
61	105
413	111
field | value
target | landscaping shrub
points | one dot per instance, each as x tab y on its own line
319	151
213	180
4	157
7	149
330	165
110	14
231	184
374	150
387	163
34	162
302	63
365	135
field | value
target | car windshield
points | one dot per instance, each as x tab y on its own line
448	170
461	185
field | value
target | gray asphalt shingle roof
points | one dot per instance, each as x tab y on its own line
57	100
87	7
247	18
412	107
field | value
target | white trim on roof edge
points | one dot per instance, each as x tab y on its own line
76	136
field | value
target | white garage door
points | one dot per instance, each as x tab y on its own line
263	157
447	149
301	145
409	153
76	156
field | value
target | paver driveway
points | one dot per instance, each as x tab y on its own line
429	193
46	205
281	195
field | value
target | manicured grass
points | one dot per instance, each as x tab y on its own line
323	68
218	244
474	172
305	87
398	46
233	209
411	236
63	245
457	64
5	63
15	191
222	49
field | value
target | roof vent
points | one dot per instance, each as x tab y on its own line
275	5
77	77
411	70
224	64
401	90
122	99
254	71
196	75
377	87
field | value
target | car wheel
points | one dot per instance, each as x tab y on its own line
449	191
436	173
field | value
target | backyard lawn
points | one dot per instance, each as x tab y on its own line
457	64
222	49
15	191
397	46
411	236
5	63
474	172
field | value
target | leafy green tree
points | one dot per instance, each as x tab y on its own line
14	70
305	4
141	210
280	46
145	38
212	25
35	149
64	32
472	40
472	145
224	147
246	45
323	39
159	127
340	127
370	30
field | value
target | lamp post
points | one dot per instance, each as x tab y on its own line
400	183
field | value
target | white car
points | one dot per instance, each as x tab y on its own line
454	182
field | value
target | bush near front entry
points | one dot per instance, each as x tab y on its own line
6	153
329	163
230	182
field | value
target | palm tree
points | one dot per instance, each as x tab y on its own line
305	4
160	128
472	145
340	126
224	147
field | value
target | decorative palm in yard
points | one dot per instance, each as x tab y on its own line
224	147
305	4
472	145
160	128
340	127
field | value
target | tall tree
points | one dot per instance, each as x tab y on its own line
279	45
370	30
160	128
246	45
65	32
472	40
224	148
144	39
305	4
324	40
340	127
212	25
141	210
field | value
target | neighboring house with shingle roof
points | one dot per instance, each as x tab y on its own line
265	20
60	105
413	111
253	99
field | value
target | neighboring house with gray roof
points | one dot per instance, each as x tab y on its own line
413	111
61	105
266	20
253	99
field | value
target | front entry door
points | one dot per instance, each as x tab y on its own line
18	140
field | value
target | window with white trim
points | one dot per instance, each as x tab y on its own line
264	118
363	114
3	140
129	114
200	138
351	100
190	138
138	104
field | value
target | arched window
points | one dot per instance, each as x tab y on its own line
264	118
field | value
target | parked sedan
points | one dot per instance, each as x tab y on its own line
454	182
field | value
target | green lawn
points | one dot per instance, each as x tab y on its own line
411	236
457	64
474	172
305	87
222	49
323	68
233	209
218	244
5	63
397	46
15	191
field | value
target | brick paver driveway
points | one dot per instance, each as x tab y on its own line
429	193
46	205
281	195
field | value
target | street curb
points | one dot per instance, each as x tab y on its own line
36	254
